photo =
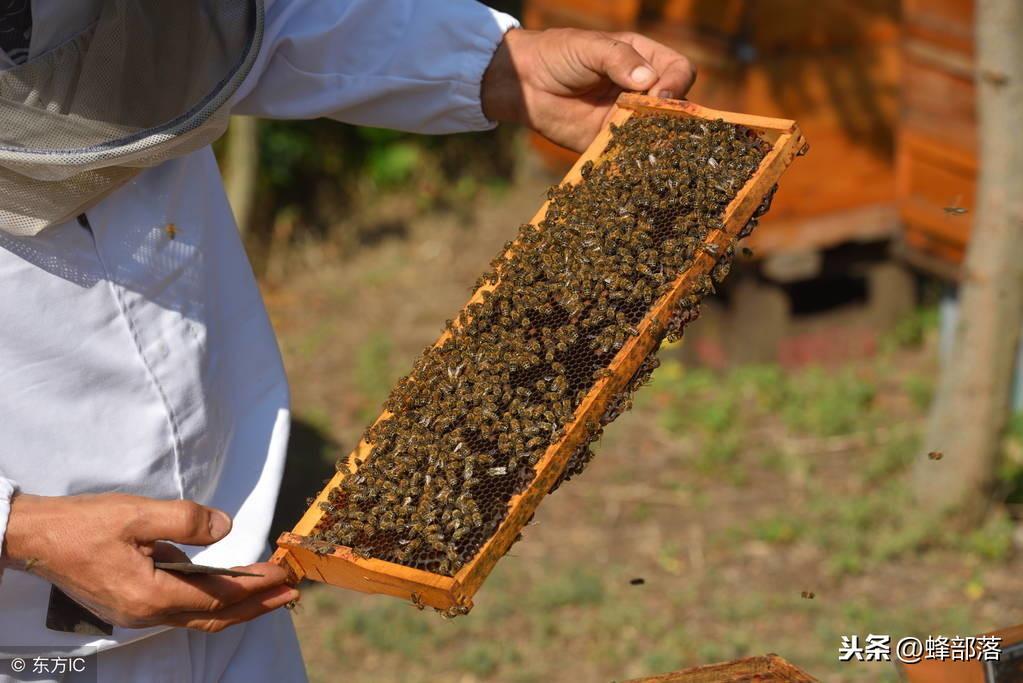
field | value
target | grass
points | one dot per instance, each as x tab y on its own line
582	588
373	374
781	482
826	404
729	493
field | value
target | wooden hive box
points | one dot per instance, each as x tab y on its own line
765	669
936	161
343	568
833	65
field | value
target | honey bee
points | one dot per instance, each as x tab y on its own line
807	595
477	412
417	601
935	455
171	230
954	209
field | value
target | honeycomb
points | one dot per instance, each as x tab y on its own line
467	426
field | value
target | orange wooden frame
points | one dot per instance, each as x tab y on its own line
343	568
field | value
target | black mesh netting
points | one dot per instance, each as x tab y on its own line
477	412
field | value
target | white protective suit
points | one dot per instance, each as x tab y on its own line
137	363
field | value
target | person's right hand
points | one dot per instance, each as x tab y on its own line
100	549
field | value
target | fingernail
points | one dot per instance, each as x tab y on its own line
220	524
642	74
666	94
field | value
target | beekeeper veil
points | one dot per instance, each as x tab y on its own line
144	83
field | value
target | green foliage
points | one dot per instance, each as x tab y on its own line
826	404
480	659
764	385
330	174
697	403
719	451
891	459
668	653
810	401
373	372
1010	471
579	588
911	331
920	389
783	528
392	165
993	541
390	628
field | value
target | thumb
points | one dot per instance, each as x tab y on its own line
181	521
618	61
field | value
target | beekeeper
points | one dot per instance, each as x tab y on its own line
142	398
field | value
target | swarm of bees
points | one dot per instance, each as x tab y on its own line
470	422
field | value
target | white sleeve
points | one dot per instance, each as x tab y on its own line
7	490
412	65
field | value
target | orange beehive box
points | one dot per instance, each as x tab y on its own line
344	568
833	65
936	165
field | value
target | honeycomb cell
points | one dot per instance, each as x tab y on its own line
477	412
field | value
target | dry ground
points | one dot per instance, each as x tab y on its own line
730	494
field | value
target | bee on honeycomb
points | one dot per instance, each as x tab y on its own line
470	422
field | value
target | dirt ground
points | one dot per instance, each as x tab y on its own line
729	494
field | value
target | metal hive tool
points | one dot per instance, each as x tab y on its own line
601	379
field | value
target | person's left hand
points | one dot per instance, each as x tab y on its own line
563	82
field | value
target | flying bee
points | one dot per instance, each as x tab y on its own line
171	230
935	455
954	209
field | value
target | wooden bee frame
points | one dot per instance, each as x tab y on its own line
341	567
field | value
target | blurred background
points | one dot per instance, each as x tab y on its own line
782	447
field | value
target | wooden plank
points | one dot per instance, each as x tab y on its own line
342	567
932	175
767	669
946	24
783	25
609	15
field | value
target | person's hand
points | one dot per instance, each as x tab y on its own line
562	82
100	549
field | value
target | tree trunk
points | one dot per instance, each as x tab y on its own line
242	173
971	406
